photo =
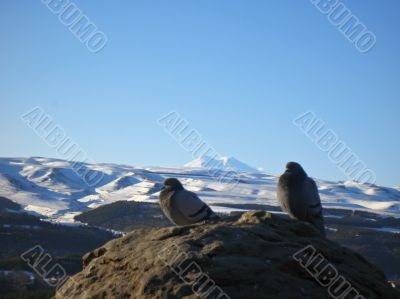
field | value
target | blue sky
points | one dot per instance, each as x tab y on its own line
238	71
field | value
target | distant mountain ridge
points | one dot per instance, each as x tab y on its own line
6	204
49	187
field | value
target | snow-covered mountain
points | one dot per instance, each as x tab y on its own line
221	163
50	187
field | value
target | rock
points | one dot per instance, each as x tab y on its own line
87	258
252	255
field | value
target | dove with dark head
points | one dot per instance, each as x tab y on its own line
183	207
298	196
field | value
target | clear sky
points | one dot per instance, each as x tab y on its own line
238	71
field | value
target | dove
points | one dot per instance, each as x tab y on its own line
183	207
298	196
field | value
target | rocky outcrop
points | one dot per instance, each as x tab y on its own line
251	255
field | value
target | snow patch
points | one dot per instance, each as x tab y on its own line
221	163
50	188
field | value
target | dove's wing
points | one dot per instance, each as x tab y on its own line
314	208
290	196
191	206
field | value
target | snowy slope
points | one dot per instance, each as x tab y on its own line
221	163
49	187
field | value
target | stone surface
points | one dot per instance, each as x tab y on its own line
249	255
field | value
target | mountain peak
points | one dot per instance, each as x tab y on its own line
220	162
